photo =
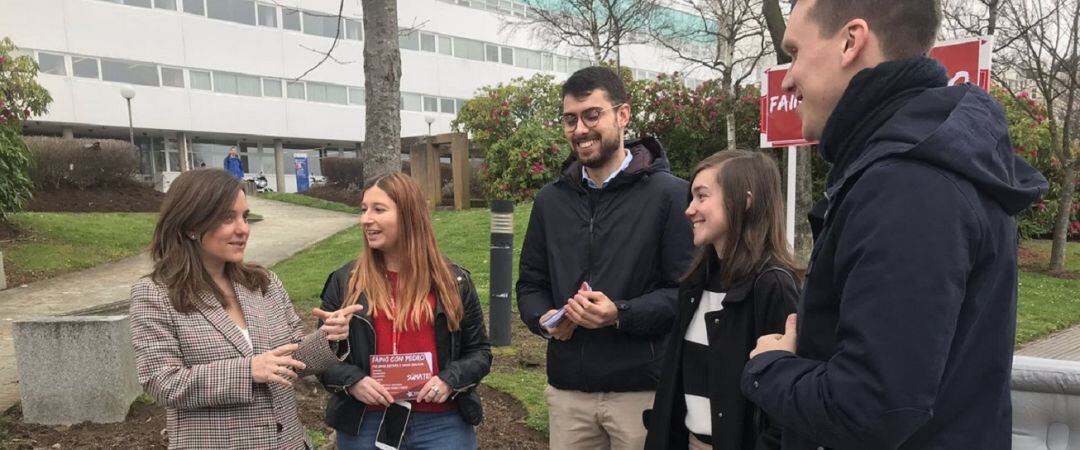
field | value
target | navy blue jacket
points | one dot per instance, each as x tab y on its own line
629	240
907	321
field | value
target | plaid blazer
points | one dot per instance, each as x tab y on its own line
199	366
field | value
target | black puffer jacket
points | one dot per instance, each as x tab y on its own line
629	240
464	356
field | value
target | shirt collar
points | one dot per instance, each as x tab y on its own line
625	163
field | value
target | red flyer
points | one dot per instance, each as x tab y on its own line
403	374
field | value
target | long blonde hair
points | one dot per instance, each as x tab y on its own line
423	269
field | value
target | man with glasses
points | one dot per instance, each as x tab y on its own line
606	245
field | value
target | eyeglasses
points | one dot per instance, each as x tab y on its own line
589	116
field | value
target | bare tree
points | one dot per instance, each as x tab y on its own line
599	26
967	18
382	88
736	31
774	21
1045	52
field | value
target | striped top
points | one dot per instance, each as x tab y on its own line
696	361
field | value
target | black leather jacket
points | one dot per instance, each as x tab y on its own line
464	356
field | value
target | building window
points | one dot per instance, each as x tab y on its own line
427	42
528	59
325	93
295	90
469	49
239	11
459	103
446	45
491	53
431	104
224	83
249	85
267	16
356	96
271	87
409	41
321	25
290	19
129	72
195	7
508	55
139	3
84	67
172	77
200	80
447	106
560	64
165	4
51	63
354	30
410	102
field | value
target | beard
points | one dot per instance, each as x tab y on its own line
607	150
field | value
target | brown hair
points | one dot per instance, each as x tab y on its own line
424	268
755	235
196	204
906	28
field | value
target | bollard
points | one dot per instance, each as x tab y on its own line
3	279
502	270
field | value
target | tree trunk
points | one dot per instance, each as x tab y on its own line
1064	214
774	20
991	23
382	86
804	201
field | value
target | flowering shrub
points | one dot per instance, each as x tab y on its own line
1030	135
517	124
20	98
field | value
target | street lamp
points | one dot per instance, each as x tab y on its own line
128	93
430	120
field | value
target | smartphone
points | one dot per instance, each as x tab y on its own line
392	428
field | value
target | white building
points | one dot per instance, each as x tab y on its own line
219	73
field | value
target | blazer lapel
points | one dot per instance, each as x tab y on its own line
250	303
215	314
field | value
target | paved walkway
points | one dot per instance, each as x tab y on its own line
1060	345
287	229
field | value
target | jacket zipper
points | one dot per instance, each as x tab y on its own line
375	344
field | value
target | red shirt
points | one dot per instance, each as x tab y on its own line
410	340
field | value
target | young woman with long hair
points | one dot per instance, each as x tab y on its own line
415	301
741	286
216	338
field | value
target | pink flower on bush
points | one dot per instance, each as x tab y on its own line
523	155
712	114
2	60
1042	206
528	193
506	112
537	168
1023	94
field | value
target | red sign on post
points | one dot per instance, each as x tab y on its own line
965	60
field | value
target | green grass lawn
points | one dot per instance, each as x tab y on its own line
1046	304
313	202
65	242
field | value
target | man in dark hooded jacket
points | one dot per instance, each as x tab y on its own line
614	220
906	324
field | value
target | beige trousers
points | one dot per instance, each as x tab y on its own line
602	420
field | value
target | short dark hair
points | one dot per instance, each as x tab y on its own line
589	79
906	28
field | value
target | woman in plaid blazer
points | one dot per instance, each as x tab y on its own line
216	339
